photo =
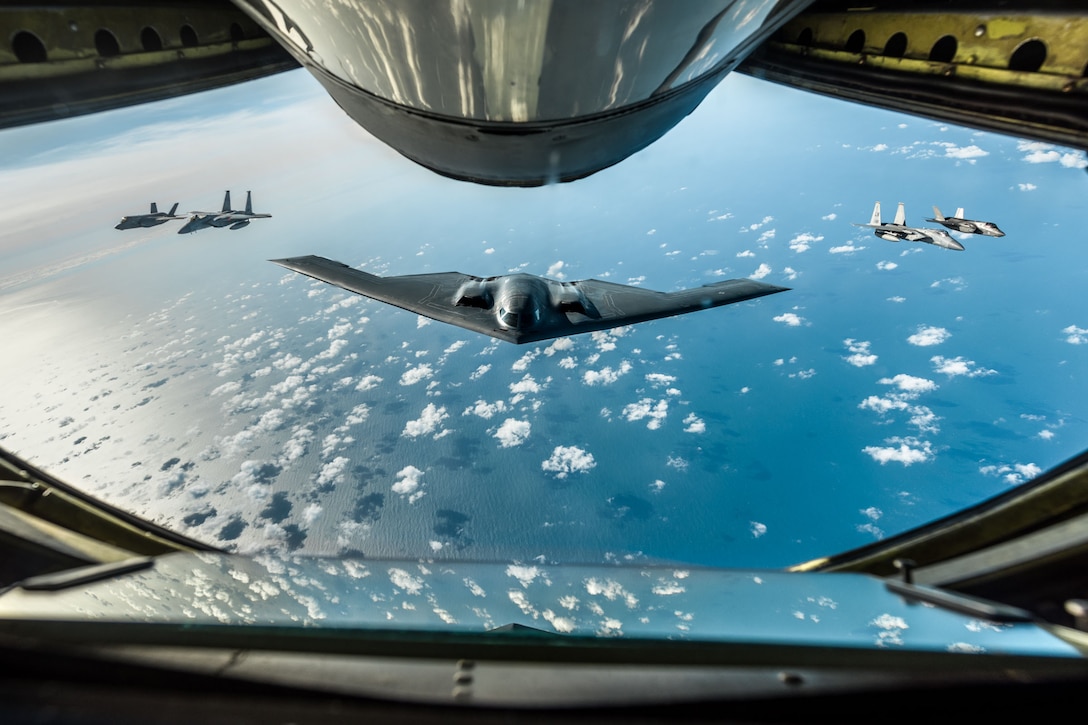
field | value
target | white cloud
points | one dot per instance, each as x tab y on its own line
559	345
403	580
762	271
897	299
522	363
408	481
485	410
886	266
790	272
965	152
746	253
908	451
512	432
927	336
411	376
847	248
803	242
789	318
883	405
860	355
647	408
660	379
606	375
1013	474
368	382
555	271
568	459
333	471
909	383
1075	335
526	385
880	147
830	217
478	372
758	529
422	321
429	420
524	574
959	366
1027	187
694	424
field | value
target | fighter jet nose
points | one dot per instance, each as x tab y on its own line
956	245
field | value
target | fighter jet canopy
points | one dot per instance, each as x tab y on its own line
519	94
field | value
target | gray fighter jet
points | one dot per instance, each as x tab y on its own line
155	218
898	231
967	226
226	217
522	308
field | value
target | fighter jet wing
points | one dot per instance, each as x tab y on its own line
430	295
571	307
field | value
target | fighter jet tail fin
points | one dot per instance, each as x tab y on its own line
959	213
226	202
249	203
154	208
900	215
937	215
875	219
173	209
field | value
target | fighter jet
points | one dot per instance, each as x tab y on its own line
898	231
522	308
226	217
967	226
153	219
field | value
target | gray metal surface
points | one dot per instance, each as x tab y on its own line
522	308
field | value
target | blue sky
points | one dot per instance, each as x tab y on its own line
760	434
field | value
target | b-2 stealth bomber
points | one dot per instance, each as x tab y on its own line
155	218
898	231
522	308
967	226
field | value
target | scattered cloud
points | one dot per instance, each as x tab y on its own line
606	375
408	482
746	253
1027	187
928	336
830	217
485	410
790	319
555	271
647	408
1075	335
907	451
757	529
694	424
368	382
568	459
1012	473
1044	153
411	376
479	372
804	241
954	366
512	432
428	422
909	383
762	271
965	152
886	266
847	248
860	355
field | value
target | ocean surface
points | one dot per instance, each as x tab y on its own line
187	379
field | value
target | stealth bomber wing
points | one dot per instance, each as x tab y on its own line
522	308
